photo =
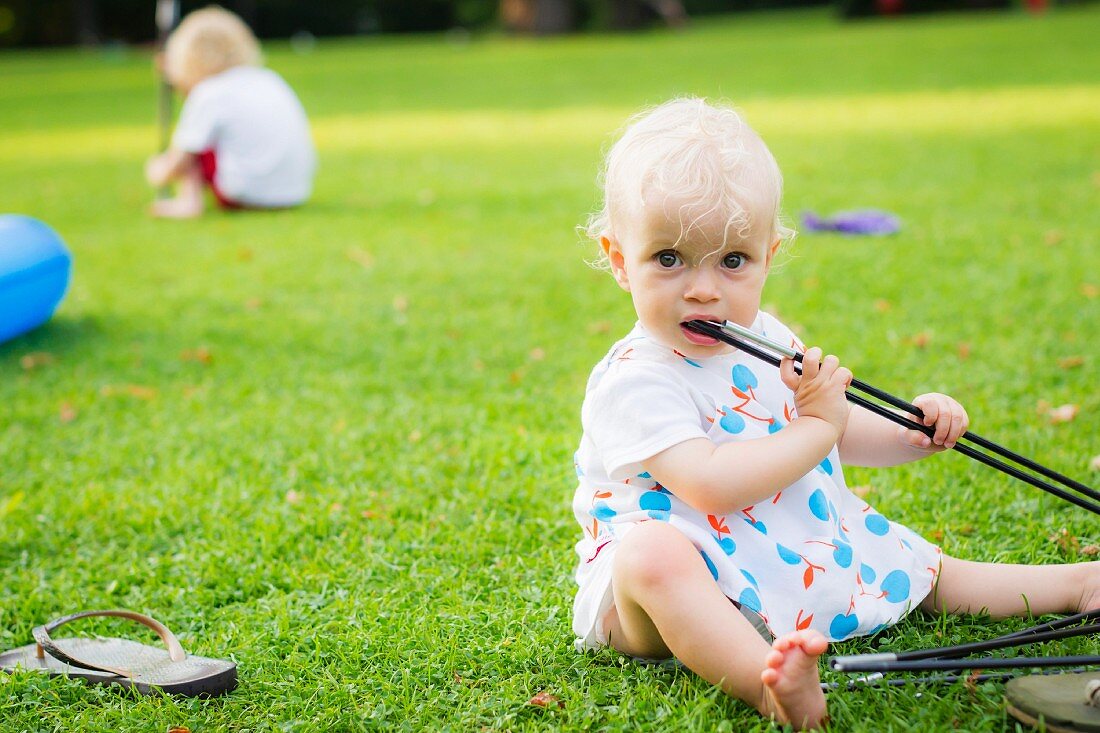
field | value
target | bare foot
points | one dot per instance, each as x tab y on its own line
792	682
176	208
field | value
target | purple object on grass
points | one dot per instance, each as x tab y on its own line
864	221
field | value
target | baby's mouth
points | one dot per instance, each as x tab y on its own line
694	336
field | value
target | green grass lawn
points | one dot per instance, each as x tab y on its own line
335	443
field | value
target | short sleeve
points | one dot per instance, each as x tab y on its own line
195	131
635	412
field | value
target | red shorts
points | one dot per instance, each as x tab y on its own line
208	161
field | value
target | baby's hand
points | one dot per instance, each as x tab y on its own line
819	391
942	412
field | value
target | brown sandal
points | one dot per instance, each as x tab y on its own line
122	662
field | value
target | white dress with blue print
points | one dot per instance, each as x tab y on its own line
814	555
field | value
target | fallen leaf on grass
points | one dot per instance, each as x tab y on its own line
200	355
361	257
936	534
1065	540
179	729
544	699
36	359
920	340
1090	550
134	390
67	413
1064	413
964	350
1071	362
1094	464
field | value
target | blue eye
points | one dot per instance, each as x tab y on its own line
667	258
733	260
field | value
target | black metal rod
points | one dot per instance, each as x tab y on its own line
714	331
1093	615
877	680
929	665
962	650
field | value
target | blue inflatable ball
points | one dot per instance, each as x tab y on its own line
34	274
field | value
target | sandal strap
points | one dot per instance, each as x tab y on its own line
46	644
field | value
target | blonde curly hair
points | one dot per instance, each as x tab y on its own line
207	42
699	162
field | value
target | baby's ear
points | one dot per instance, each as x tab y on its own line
771	252
615	258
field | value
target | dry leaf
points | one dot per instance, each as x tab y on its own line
293	497
1089	290
1094	464
200	355
1053	237
545	700
1062	414
882	305
920	340
361	257
179	729
67	413
1065	540
964	350
36	359
936	534
1071	362
537	354
1090	550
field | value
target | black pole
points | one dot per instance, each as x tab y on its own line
928	665
717	332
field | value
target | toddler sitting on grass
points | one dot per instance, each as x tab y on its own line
717	525
242	130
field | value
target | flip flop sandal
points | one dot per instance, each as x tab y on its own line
121	662
1066	703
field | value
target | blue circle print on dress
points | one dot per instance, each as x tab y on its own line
748	577
774	426
710	565
788	556
842	626
819	505
826	466
749	599
896	586
602	511
877	524
743	378
842	554
728	545
731	422
655	501
866	573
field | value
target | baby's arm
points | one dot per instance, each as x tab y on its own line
871	440
172	164
720	479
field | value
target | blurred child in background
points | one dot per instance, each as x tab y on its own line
242	130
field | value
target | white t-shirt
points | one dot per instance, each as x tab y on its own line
256	126
814	555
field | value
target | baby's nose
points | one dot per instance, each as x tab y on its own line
702	286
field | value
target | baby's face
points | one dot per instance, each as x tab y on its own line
675	279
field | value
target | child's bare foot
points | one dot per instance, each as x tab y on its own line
177	208
791	680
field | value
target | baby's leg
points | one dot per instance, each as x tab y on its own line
188	202
667	603
1014	590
